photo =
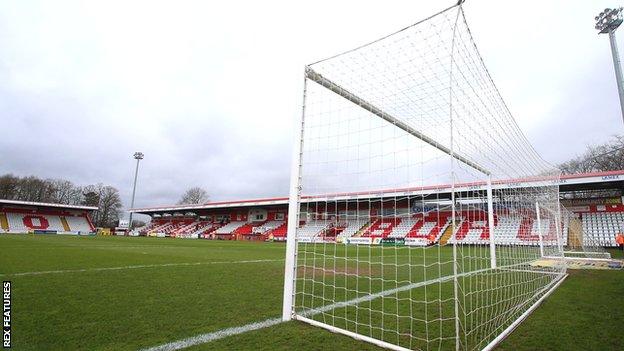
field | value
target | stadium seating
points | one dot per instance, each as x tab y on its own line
204	227
21	222
192	229
183	228
600	228
268	226
15	223
472	228
402	229
312	228
279	233
230	227
178	228
508	230
351	227
79	224
170	228
155	227
149	226
429	227
263	230
382	227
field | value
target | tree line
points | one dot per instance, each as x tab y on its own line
61	191
598	158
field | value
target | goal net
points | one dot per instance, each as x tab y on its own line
577	243
417	204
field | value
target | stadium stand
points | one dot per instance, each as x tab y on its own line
419	229
27	217
25	222
600	219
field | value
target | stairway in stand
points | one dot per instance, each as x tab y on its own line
4	223
448	232
575	233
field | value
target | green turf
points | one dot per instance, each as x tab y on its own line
128	309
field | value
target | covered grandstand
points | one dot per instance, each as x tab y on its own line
45	218
594	198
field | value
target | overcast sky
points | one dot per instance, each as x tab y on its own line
208	90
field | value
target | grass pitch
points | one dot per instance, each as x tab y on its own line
118	293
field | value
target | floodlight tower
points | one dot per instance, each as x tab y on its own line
137	156
607	22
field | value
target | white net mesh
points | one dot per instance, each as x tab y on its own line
400	139
576	242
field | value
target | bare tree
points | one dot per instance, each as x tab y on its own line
32	188
194	195
8	186
110	206
40	190
65	192
598	158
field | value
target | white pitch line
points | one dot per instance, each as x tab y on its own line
136	267
219	334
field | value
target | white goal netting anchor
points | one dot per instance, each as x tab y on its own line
420	217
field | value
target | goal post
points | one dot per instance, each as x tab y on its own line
412	220
294	198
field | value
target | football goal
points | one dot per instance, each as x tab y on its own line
419	213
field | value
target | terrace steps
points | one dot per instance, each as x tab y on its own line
65	224
575	233
4	223
448	233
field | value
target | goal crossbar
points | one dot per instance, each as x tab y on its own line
326	83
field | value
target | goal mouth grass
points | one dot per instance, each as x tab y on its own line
383	295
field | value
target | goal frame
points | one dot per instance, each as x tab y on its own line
295	199
290	276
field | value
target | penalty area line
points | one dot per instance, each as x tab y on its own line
136	267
